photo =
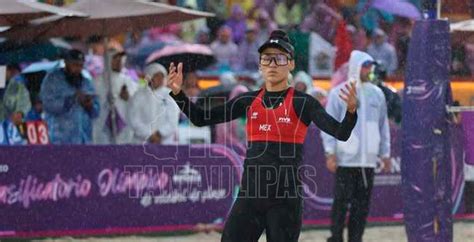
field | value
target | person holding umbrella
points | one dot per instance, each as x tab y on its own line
270	197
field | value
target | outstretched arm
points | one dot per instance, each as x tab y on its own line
230	110
327	123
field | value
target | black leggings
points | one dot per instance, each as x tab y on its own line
249	217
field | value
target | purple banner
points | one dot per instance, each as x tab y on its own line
426	161
468	126
49	191
78	190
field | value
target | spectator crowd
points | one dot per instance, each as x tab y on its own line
79	106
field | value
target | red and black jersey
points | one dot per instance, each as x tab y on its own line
279	124
276	127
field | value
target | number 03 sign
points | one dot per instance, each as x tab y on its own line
37	133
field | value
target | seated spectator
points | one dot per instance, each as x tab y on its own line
189	29
203	36
245	5
15	102
459	66
70	102
122	87
322	19
94	61
237	23
354	26
248	51
383	52
219	8
224	49
36	113
266	5
288	13
15	98
321	95
153	114
265	26
400	35
304	82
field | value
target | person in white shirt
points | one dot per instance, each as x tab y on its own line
354	161
153	114
122	87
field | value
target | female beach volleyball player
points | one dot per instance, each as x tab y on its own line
270	196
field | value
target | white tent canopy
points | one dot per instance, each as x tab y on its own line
13	12
467	25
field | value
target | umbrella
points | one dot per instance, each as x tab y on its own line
106	18
193	56
467	26
138	55
35	73
15	12
43	66
398	7
13	52
47	66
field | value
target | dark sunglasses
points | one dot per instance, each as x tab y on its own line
279	59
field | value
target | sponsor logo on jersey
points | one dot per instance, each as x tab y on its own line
254	115
285	120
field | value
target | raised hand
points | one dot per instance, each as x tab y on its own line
349	95
175	77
